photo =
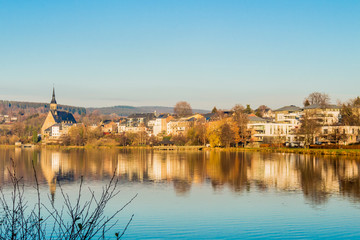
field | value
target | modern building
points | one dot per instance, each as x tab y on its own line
288	114
326	115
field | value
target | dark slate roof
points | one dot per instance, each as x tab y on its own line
208	115
318	106
288	108
254	118
163	116
106	122
62	116
191	119
142	115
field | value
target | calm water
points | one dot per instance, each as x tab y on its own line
207	195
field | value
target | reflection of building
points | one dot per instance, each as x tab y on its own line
50	165
316	177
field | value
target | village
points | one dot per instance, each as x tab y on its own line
317	123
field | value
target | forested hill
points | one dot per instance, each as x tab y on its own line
7	107
127	110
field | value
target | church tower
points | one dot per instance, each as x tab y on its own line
53	104
56	116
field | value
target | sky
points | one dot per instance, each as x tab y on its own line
158	52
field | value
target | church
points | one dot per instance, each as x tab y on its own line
57	122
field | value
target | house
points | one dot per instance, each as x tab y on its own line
61	119
338	135
182	125
57	130
265	112
121	126
288	114
270	132
263	131
209	116
161	122
326	115
108	126
139	118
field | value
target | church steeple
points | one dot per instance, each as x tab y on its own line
53	104
53	100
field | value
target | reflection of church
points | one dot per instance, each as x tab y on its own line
57	122
50	166
55	167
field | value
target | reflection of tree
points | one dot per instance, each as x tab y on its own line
227	168
349	181
181	187
311	180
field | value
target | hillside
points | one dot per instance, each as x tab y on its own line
127	110
8	107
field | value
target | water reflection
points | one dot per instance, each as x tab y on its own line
317	177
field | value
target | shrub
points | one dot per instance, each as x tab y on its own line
86	220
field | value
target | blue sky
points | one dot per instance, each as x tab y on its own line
209	53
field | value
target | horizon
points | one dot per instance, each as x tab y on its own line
208	53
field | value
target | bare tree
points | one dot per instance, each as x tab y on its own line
261	110
182	109
241	119
226	135
350	112
322	99
309	128
306	103
356	102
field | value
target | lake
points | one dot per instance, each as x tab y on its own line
204	194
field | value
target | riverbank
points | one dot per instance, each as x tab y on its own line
312	151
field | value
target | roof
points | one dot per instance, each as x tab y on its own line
208	115
163	116
193	119
106	122
288	108
62	116
319	106
254	118
142	115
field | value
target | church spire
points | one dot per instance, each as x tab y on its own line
53	100
53	104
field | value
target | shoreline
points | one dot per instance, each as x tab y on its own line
311	151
